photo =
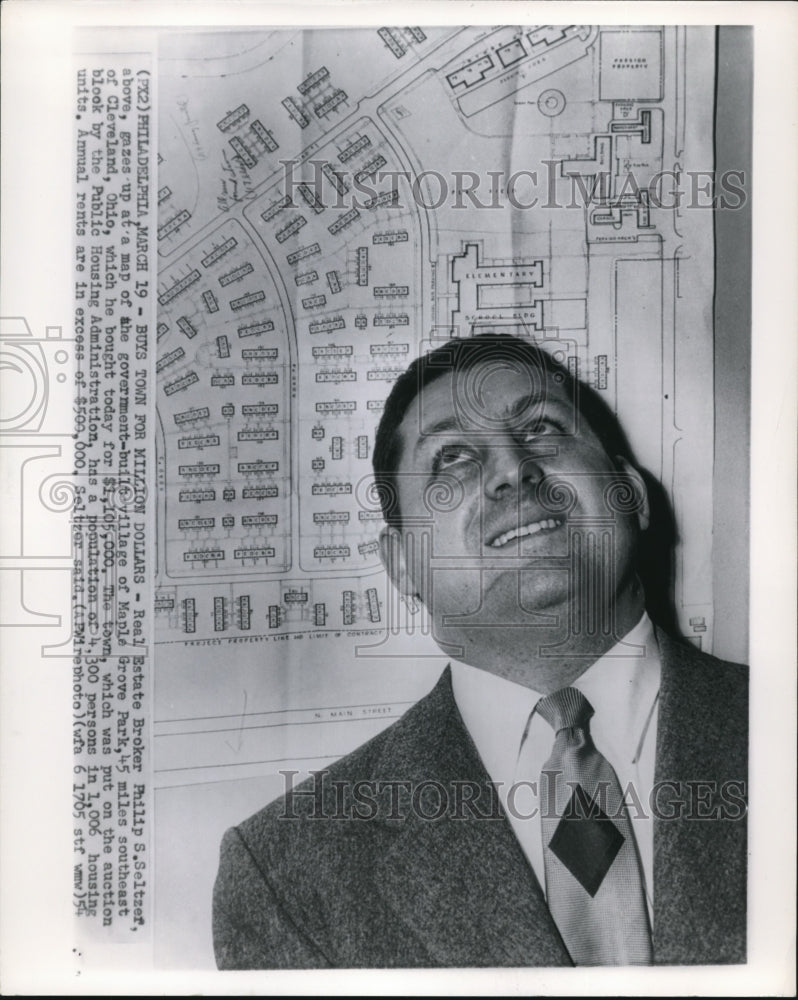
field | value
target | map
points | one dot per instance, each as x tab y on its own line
332	203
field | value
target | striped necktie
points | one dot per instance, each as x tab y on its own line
594	883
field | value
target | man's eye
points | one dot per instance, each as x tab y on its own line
540	428
451	455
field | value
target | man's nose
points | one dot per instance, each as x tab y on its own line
508	468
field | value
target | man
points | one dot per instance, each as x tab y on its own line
572	790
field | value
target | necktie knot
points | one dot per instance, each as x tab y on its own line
566	709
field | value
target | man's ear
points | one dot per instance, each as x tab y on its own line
643	510
394	559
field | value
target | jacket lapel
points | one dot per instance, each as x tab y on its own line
462	886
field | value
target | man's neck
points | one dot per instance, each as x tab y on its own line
548	658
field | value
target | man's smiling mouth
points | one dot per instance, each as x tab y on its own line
533	528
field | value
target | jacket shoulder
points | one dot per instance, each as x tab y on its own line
704	700
298	872
725	677
306	826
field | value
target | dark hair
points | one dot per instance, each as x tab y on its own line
459	355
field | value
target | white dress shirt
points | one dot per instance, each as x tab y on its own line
514	741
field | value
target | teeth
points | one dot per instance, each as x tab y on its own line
527	529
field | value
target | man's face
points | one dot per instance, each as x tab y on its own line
512	513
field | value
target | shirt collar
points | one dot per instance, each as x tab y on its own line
622	687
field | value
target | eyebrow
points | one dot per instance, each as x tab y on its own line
524	403
441	427
451	423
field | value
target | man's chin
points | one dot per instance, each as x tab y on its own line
459	631
528	596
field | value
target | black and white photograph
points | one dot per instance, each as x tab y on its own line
399	509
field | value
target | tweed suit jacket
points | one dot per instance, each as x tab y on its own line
306	884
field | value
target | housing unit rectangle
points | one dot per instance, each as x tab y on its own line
274	210
310	198
258	468
337	406
196	523
290	228
187	327
189	416
389	349
390	237
199	441
335	100
295	112
327	325
331	551
236	274
362	265
260	353
345	220
197	496
259	552
265	136
189	615
336	377
330	489
179	287
244	613
259	492
233	118
250	299
219	614
259	409
255	329
200	469
373	604
386	199
370	168
181	383
303	253
313	80
391	319
258	520
169	359
258	434
337	180
353	148
218	252
173	224
332	517
392	42
333	351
